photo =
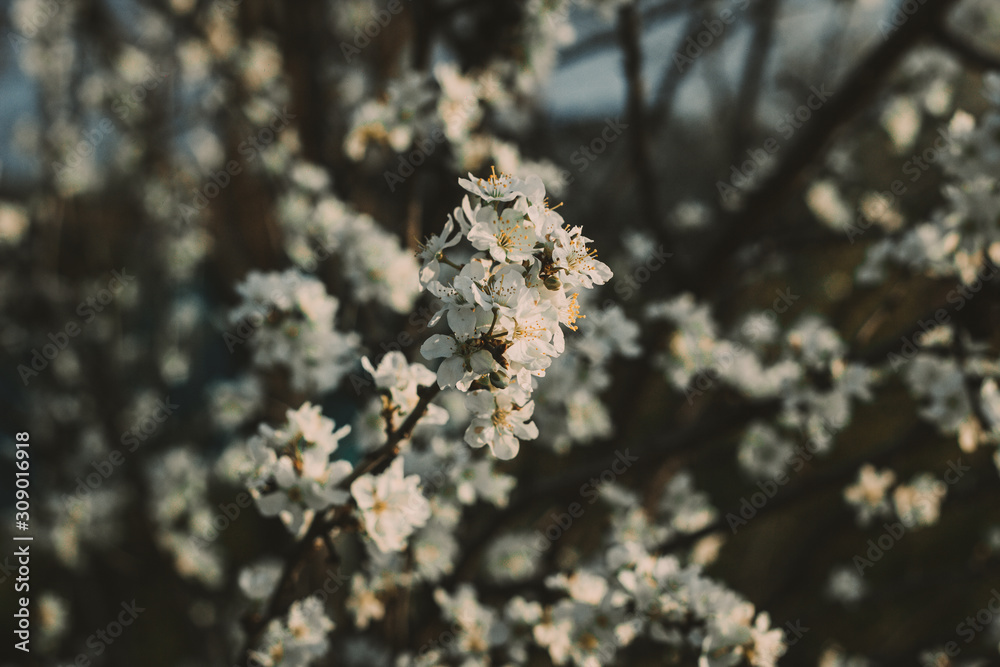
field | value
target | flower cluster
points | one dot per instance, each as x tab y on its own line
317	225
505	305
293	476
596	610
178	483
961	238
202	141
868	495
299	640
288	319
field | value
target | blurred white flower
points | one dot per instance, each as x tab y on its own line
919	502
763	453
845	585
297	641
869	494
288	319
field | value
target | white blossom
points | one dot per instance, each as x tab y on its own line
297	641
391	506
288	319
293	475
869	495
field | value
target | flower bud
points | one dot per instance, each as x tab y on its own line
553	283
499	379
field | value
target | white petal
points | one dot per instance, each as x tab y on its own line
438	345
462	321
505	447
451	372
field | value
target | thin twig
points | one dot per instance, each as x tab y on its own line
756	218
322	522
750	86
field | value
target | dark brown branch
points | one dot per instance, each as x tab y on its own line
629	35
653	452
756	218
972	55
672	76
604	39
827	478
390	449
750	87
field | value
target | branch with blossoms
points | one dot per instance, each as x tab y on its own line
504	306
505	293
454	498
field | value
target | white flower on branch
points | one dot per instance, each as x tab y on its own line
499	422
293	476
918	503
868	495
391	506
401	380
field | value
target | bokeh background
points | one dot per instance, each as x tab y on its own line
186	143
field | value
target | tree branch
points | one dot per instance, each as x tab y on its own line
323	521
972	55
750	86
629	35
756	218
